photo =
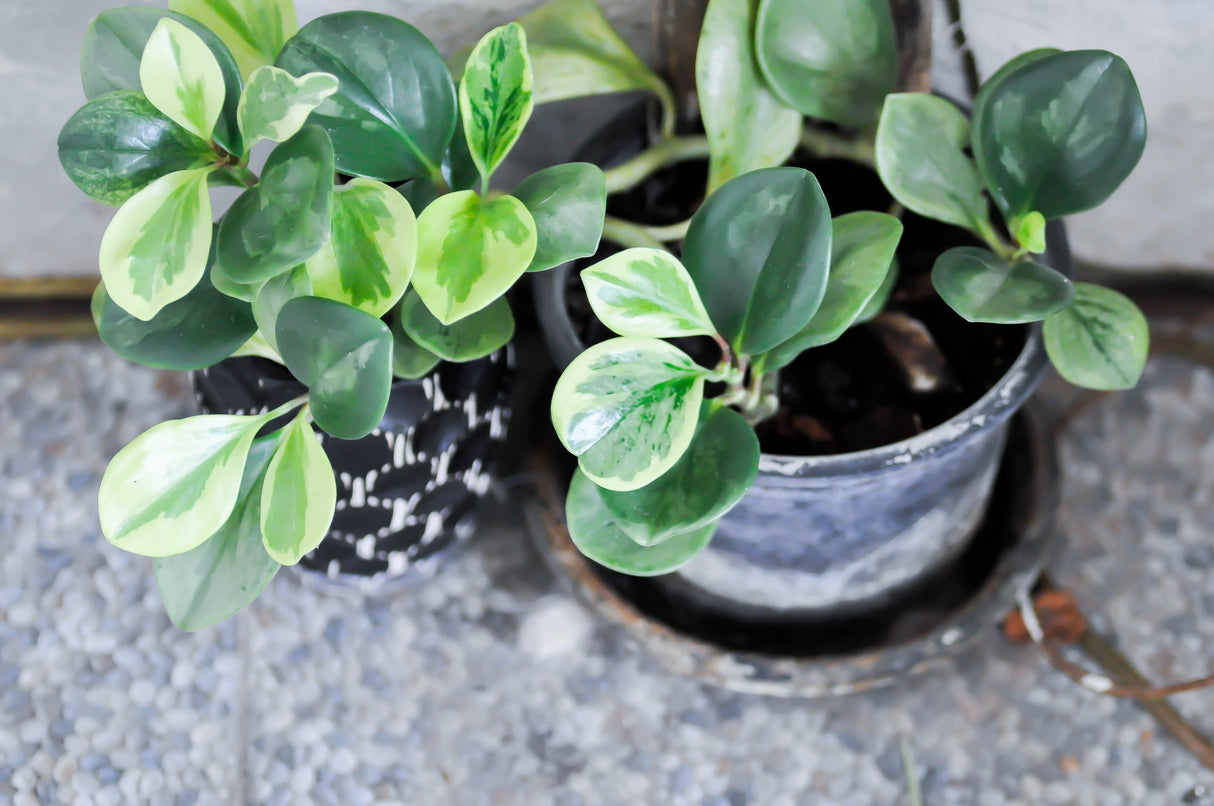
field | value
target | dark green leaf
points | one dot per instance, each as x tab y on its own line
828	59
759	253
983	287
283	220
113	48
1059	133
343	356
394	111
708	481
568	203
419	193
409	359
118	144
277	292
458	167
1101	341
474	336
596	534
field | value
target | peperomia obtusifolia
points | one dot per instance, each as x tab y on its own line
369	246
767	273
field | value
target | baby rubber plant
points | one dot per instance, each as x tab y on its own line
360	252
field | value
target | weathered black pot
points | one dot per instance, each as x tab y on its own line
848	532
410	490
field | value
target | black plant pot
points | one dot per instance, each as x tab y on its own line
410	490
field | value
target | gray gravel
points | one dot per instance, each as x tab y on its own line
485	686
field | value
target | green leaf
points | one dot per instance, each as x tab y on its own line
214	581
709	480
459	169
921	159
254	30
395	108
470	252
419	193
343	356
983	287
495	96
155	249
596	534
863	246
175	485
627	408
1059	133
409	359
475	336
299	495
113	49
226	285
117	144
748	127
284	219
876	304
1099	342
759	253
258	347
575	52
1029	231
828	59
275	104
567	203
182	78
372	248
646	292
274	294
199	330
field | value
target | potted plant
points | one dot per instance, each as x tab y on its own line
829	425
351	272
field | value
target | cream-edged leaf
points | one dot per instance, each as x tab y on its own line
275	104
254	30
646	292
299	495
182	78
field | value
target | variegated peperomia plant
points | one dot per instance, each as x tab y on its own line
767	273
368	246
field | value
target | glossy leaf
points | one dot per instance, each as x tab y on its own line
470	252
226	285
459	169
627	408
343	356
1059	133
395	107
759	253
646	292
594	531
182	78
748	127
475	336
921	160
830	59
409	359
299	495
113	50
575	52
495	95
258	347
1100	341
284	219
709	480
372	248
1029	231
155	248
275	105
254	30
876	304
863	246
117	144
277	292
214	581
983	287
199	330
175	485
567	203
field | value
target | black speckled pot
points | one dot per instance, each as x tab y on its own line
411	488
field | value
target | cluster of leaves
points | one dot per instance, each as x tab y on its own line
767	273
360	253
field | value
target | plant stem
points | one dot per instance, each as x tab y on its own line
670	110
994	240
286	407
627	234
244	175
827	144
631	173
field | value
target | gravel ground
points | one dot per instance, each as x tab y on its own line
486	686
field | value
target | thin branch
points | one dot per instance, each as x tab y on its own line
627	234
631	173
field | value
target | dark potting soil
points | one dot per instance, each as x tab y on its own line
910	369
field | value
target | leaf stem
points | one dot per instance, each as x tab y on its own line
670	108
828	144
994	240
285	408
627	234
637	169
243	175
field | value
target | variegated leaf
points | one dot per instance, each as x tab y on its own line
495	95
275	104
254	30
646	292
181	77
299	495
